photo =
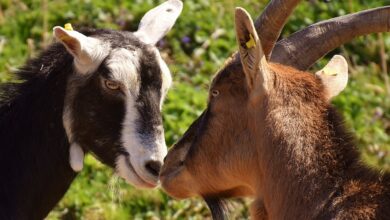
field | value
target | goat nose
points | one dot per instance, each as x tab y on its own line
153	167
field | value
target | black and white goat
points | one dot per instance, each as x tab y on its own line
99	91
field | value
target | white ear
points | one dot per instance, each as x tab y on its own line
334	76
76	157
158	21
88	52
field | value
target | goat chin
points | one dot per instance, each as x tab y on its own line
76	157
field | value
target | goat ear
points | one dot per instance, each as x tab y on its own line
334	76
158	21
249	44
85	50
76	157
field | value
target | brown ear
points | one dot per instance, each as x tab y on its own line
250	49
334	76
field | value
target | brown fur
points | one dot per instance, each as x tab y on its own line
288	149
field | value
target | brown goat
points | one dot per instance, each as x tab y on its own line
270	132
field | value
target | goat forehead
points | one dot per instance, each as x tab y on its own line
139	67
232	70
124	66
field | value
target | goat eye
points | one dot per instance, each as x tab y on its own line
215	93
111	85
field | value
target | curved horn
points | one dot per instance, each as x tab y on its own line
271	22
303	48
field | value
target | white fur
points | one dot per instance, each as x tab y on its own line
166	77
129	137
123	65
157	22
76	157
124	171
139	154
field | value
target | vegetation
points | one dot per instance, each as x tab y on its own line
197	46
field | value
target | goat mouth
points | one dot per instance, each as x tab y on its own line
131	169
168	175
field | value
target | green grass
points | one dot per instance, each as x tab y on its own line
25	29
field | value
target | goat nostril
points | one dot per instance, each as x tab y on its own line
153	167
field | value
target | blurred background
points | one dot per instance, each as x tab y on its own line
195	49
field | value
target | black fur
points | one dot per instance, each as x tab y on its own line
34	167
148	102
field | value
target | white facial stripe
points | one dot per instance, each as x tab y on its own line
129	136
139	153
130	139
123	65
141	149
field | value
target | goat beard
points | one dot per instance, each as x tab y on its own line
218	207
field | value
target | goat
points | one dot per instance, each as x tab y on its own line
97	91
270	132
